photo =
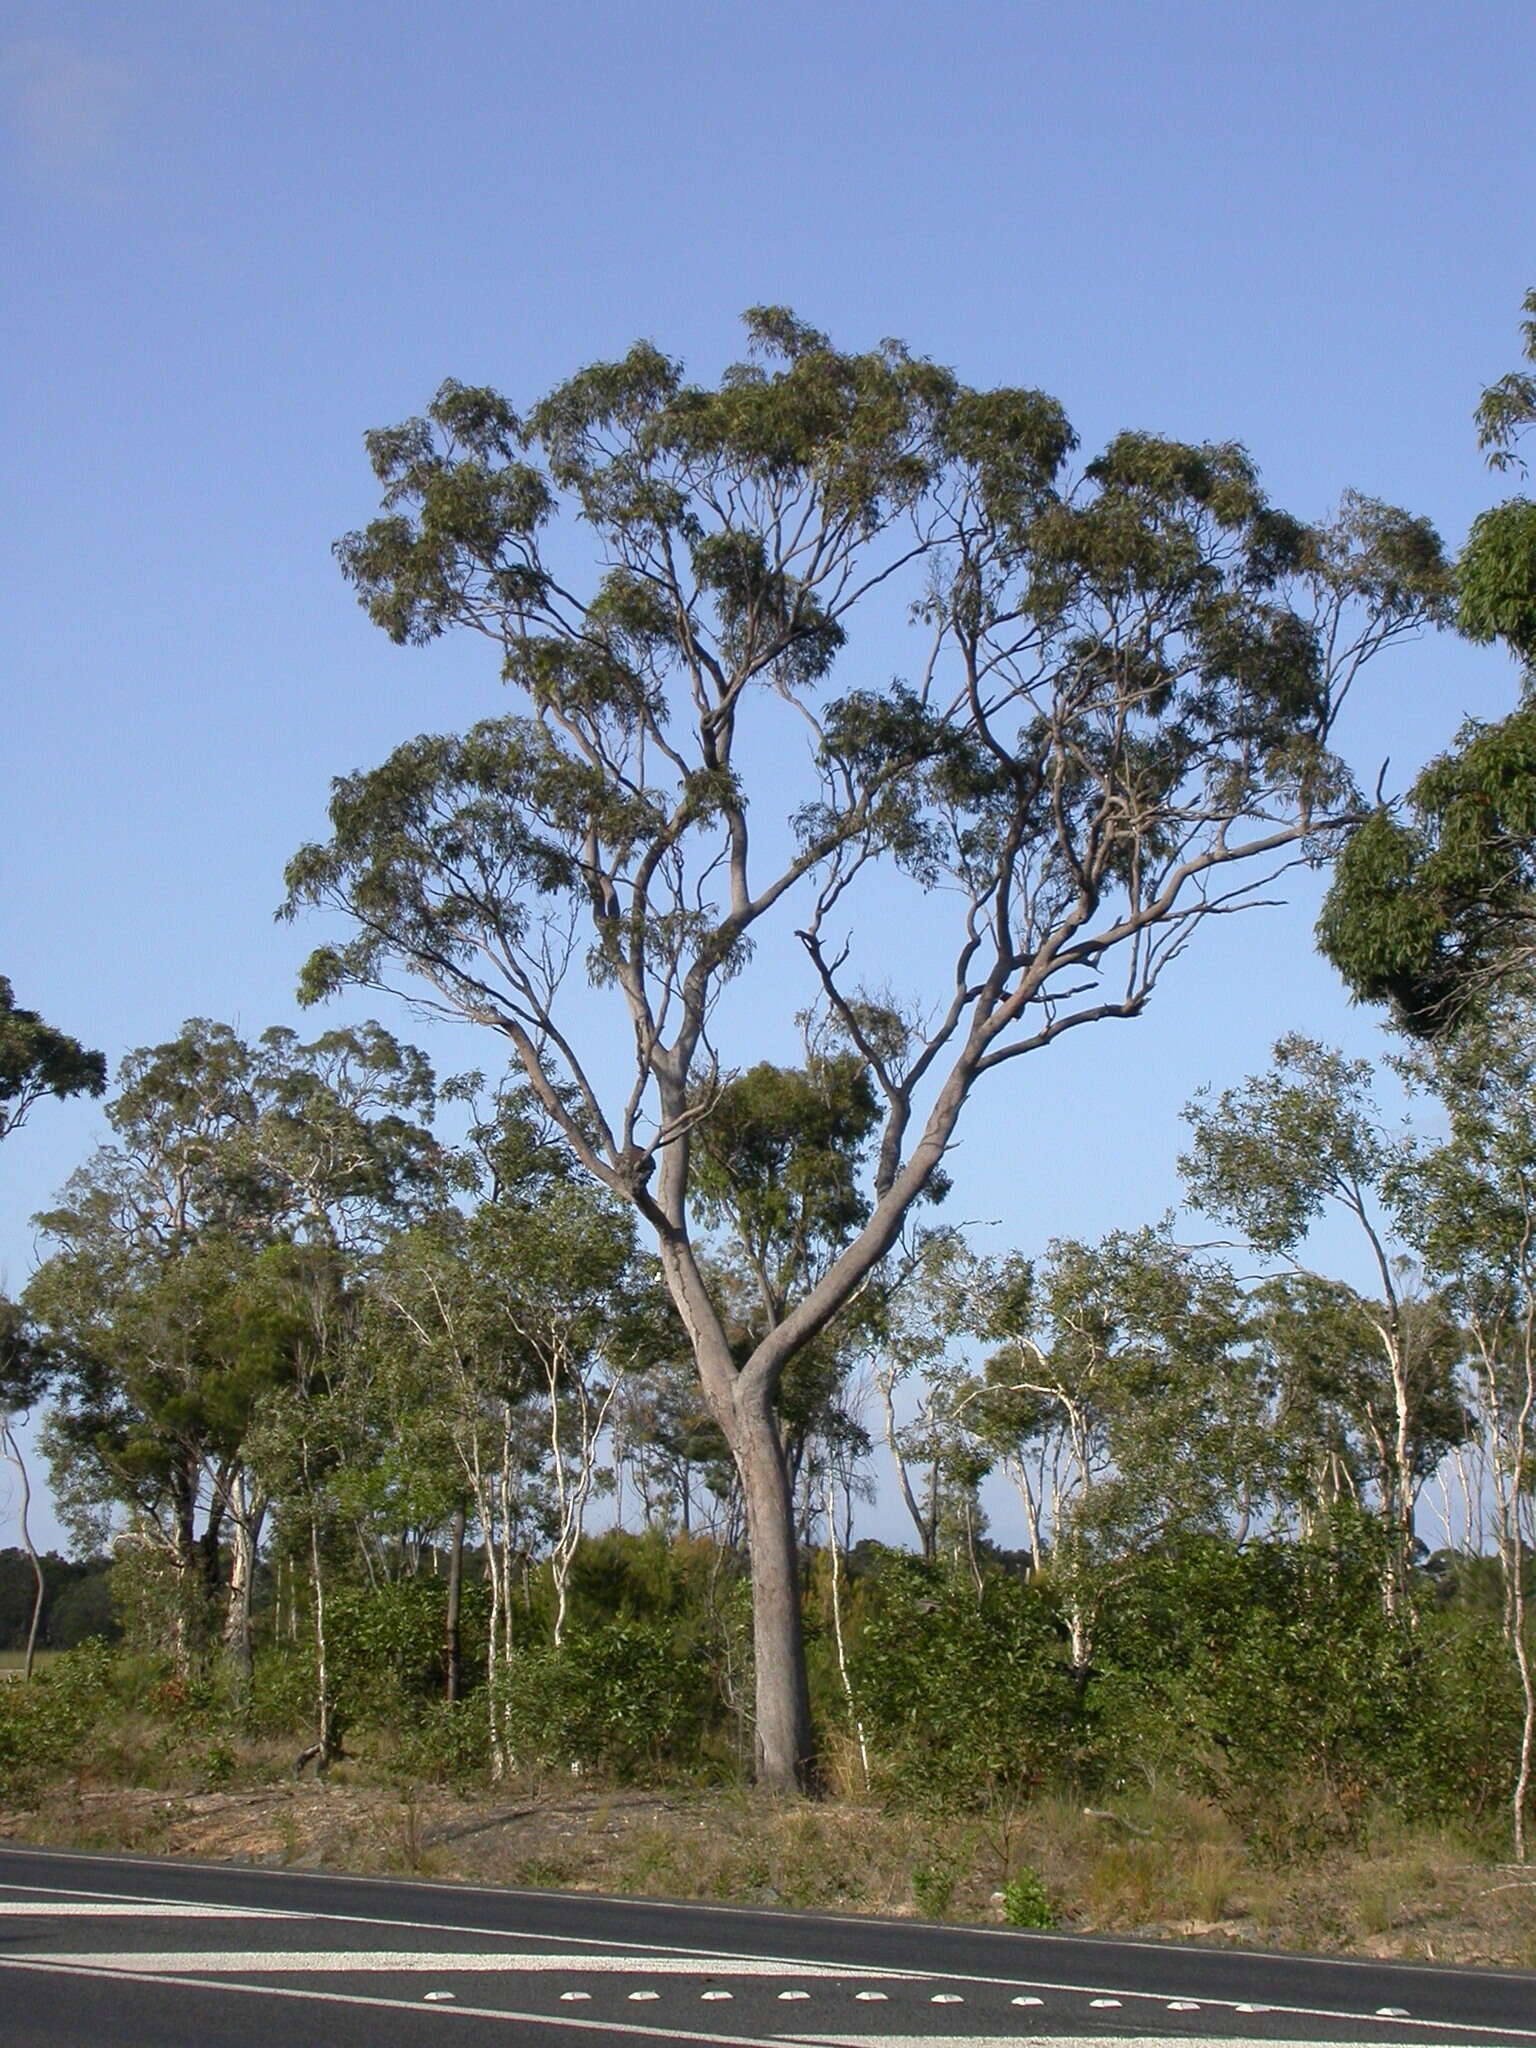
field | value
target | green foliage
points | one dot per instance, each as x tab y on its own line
447	1743
1027	1902
281	1700
961	1694
37	1060
779	1153
77	1601
1496	579
49	1726
1508	407
618	1699
1431	911
385	1646
1242	1675
934	1882
1270	1155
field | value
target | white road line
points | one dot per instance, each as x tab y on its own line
701	1958
704	1909
338	1962
277	1962
116	1909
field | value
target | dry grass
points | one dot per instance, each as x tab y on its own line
1171	1867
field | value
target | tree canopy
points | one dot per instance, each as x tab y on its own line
1433	906
38	1060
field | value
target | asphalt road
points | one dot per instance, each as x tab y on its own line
115	1952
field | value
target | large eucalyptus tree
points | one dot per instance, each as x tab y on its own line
1113	719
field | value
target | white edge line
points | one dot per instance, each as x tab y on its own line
447	1887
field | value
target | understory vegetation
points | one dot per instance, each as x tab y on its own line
1252	1721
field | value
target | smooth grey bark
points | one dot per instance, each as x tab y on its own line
13	1453
451	1633
784	1745
247	1512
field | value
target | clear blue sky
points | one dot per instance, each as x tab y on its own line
238	235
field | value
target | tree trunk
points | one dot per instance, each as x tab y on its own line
13	1453
324	1747
835	1547
903	1478
784	1748
186	1632
451	1637
245	1519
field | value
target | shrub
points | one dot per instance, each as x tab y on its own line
48	1727
447	1744
1026	1902
618	1699
1272	1680
962	1694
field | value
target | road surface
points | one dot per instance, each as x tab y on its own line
117	1952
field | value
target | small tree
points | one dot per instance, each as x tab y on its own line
1124	1372
223	1150
1115	724
1270	1158
24	1373
1474	1221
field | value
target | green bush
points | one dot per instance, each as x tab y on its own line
961	1694
1272	1678
49	1726
619	1699
448	1743
1026	1902
384	1645
281	1702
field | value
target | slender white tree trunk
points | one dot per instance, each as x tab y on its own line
13	1454
834	1544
